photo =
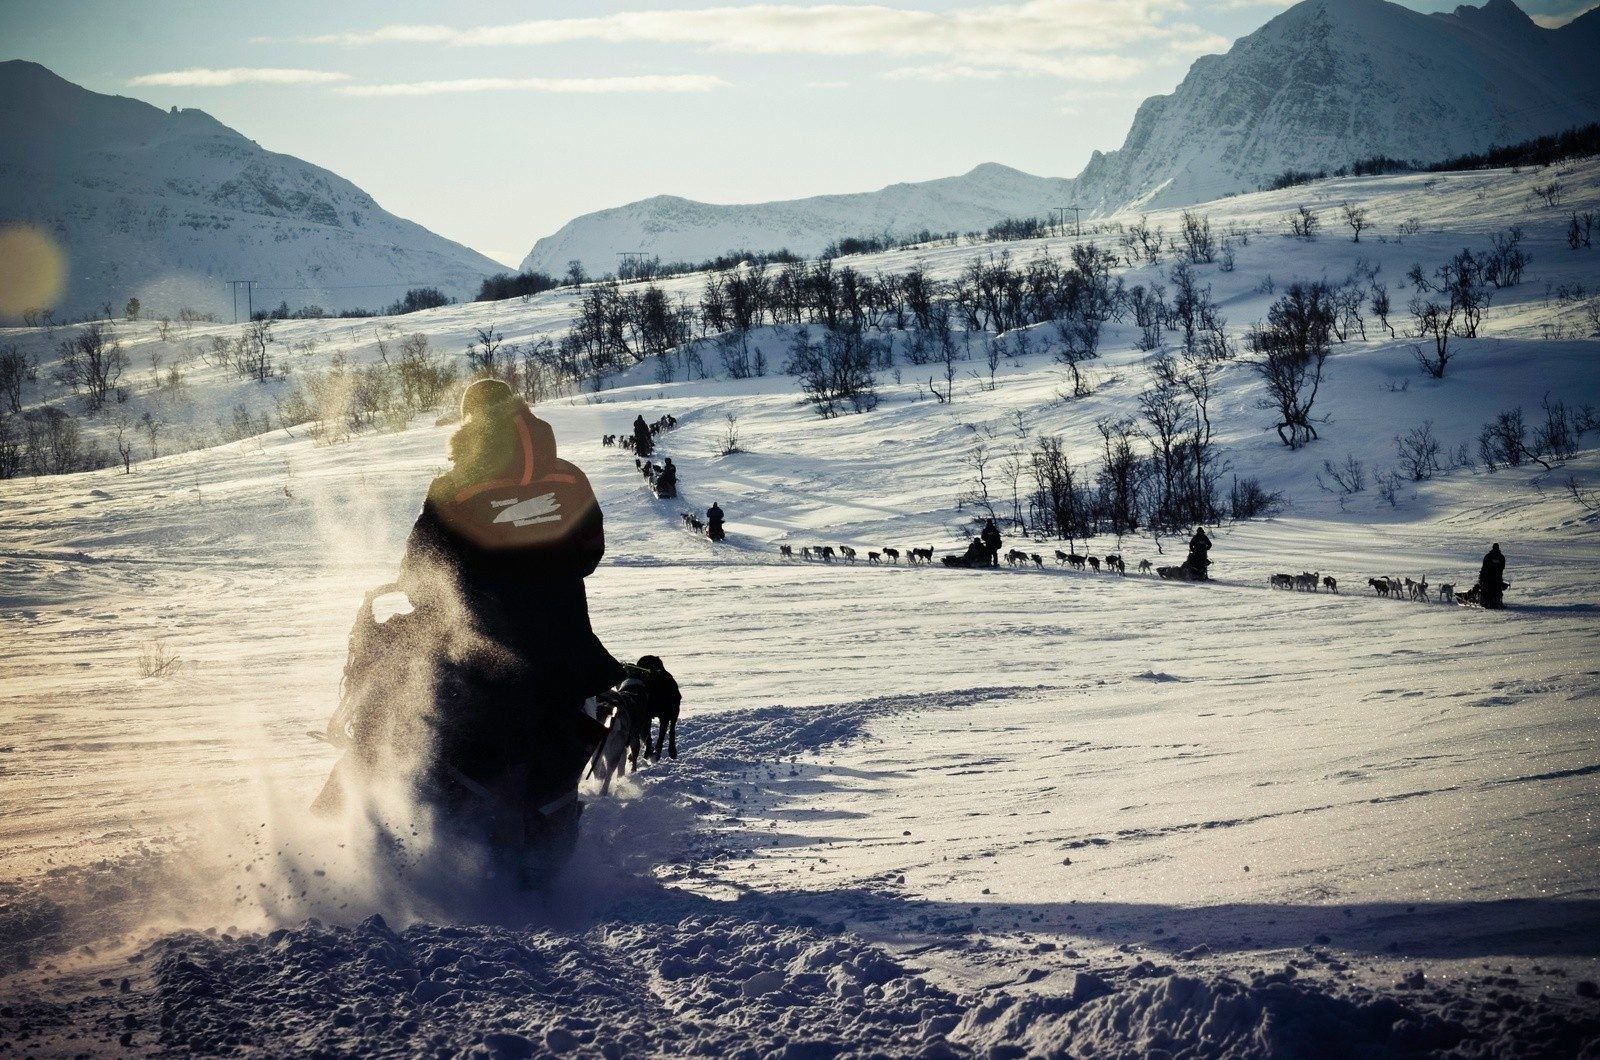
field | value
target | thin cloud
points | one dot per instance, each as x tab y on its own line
1191	41
1033	27
1076	68
1562	13
567	85
202	77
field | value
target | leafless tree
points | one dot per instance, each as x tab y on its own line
151	425
1080	343
15	367
1149	240
11	451
1580	229
1588	500
483	350
1418	452
1199	245
253	350
423	376
977	461
1381	307
835	372
1503	442
1356	218
1120	476
123	442
92	361
1290	353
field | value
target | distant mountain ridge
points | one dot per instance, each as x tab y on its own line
1323	84
679	229
167	205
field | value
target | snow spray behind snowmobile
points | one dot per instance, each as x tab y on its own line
476	696
405	719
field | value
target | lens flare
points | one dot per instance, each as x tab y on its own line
33	270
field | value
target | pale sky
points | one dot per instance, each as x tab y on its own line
495	123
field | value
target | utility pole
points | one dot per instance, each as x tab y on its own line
629	257
249	298
1061	212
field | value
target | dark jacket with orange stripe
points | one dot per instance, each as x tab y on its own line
507	537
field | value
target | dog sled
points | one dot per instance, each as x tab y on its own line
1473	597
1183	572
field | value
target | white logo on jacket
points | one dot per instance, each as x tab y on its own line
542	509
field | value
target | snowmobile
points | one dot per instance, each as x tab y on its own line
407	710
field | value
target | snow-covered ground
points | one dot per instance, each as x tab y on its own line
917	810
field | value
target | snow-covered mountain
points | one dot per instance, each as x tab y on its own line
680	229
166	206
1332	81
1324	84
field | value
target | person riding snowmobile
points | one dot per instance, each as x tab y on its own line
494	568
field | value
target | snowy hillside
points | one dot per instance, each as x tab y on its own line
166	207
1324	84
677	229
1329	82
918	811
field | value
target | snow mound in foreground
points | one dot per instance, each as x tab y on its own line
741	981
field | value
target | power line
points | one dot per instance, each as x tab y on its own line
346	286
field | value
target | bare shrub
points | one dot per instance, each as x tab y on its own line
157	659
1303	223
1347	478
1247	499
92	362
729	443
1389	485
1503	442
1418	452
1551	194
835	372
423	376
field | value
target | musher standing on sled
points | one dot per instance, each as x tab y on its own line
503	544
1491	579
1199	559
